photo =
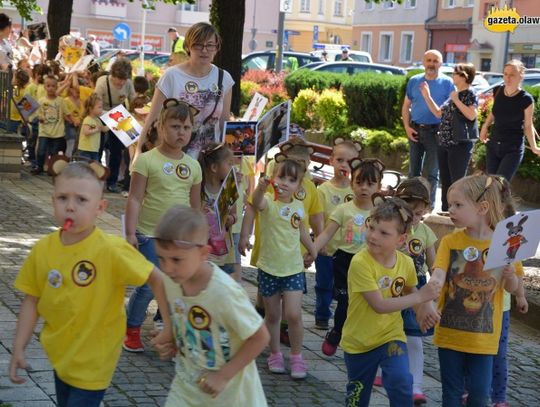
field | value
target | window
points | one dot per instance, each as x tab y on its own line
385	47
304	6
189	7
369	5
365	42
469	3
410	3
407	40
257	62
451	3
487	8
322	6
389	4
338	8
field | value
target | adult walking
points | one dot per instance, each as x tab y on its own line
420	123
454	152
177	41
512	118
115	89
201	84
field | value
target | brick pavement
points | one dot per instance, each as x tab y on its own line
142	379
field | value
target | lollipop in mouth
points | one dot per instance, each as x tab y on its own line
67	224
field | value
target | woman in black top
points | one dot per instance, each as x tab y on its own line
512	115
454	156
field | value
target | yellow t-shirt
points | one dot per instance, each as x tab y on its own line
31	89
81	290
72	109
330	197
168	183
84	93
280	253
221	242
52	111
351	235
365	329
243	175
210	328
18	93
420	239
309	196
471	300
92	141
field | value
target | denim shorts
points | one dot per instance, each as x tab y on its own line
270	285
227	268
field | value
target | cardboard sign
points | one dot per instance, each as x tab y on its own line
38	32
26	106
226	198
255	108
273	128
122	124
240	137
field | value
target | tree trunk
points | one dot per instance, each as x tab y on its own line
59	21
228	18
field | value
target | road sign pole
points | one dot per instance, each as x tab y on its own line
279	52
143	29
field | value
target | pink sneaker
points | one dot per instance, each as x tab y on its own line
276	363
419	399
378	381
298	367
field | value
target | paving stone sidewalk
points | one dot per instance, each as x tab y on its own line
143	380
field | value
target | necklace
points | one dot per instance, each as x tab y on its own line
512	93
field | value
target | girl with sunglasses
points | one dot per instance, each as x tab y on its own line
160	179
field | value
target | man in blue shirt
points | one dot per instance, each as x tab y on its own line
420	124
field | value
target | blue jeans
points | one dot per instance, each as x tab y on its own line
423	159
116	148
141	296
91	155
69	396
48	147
397	381
324	287
500	364
455	367
504	158
453	164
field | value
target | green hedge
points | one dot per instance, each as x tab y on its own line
373	99
308	79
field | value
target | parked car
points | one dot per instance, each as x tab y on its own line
131	54
161	60
491	77
352	68
266	60
529	80
335	55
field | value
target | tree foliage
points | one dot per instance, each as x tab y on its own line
24	7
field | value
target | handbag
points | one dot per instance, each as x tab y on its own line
463	129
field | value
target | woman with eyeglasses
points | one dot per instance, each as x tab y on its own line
512	118
454	155
200	83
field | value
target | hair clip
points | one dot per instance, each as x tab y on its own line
171	102
209	150
489	182
58	162
340	140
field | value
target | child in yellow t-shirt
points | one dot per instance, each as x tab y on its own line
74	112
217	332
91	129
160	179
332	193
20	85
347	225
75	279
470	309
381	282
281	274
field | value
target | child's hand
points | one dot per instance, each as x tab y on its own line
18	361
427	316
522	304
508	272
430	291
308	260
229	221
104	129
265	182
244	245
132	240
164	344
212	383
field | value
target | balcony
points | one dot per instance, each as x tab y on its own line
108	9
188	17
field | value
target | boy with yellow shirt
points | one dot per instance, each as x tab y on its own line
381	282
75	279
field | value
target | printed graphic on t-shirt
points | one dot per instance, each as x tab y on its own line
83	273
468	302
51	112
415	249
355	231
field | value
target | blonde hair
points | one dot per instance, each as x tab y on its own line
79	170
496	192
182	223
198	33
90	103
516	63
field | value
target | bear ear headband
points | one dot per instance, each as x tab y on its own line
378	199
280	157
355	163
341	140
288	145
170	102
57	164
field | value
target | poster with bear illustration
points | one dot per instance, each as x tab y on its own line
122	124
515	238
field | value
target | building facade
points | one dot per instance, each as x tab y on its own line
393	33
99	17
319	21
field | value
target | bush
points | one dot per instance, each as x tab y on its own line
380	140
302	111
247	90
308	79
331	110
375	99
270	85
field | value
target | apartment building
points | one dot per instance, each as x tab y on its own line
489	51
99	17
319	21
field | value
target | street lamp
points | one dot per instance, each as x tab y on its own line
146	4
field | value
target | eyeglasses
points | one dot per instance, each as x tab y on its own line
200	47
181	244
489	182
172	102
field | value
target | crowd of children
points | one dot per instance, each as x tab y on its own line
373	255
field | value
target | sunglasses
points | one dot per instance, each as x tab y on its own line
489	182
173	102
181	244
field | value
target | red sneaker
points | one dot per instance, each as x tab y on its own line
419	398
378	381
330	343
133	342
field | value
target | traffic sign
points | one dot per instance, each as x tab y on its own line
285	6
121	32
315	33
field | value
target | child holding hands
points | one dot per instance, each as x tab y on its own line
91	128
75	279
217	331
